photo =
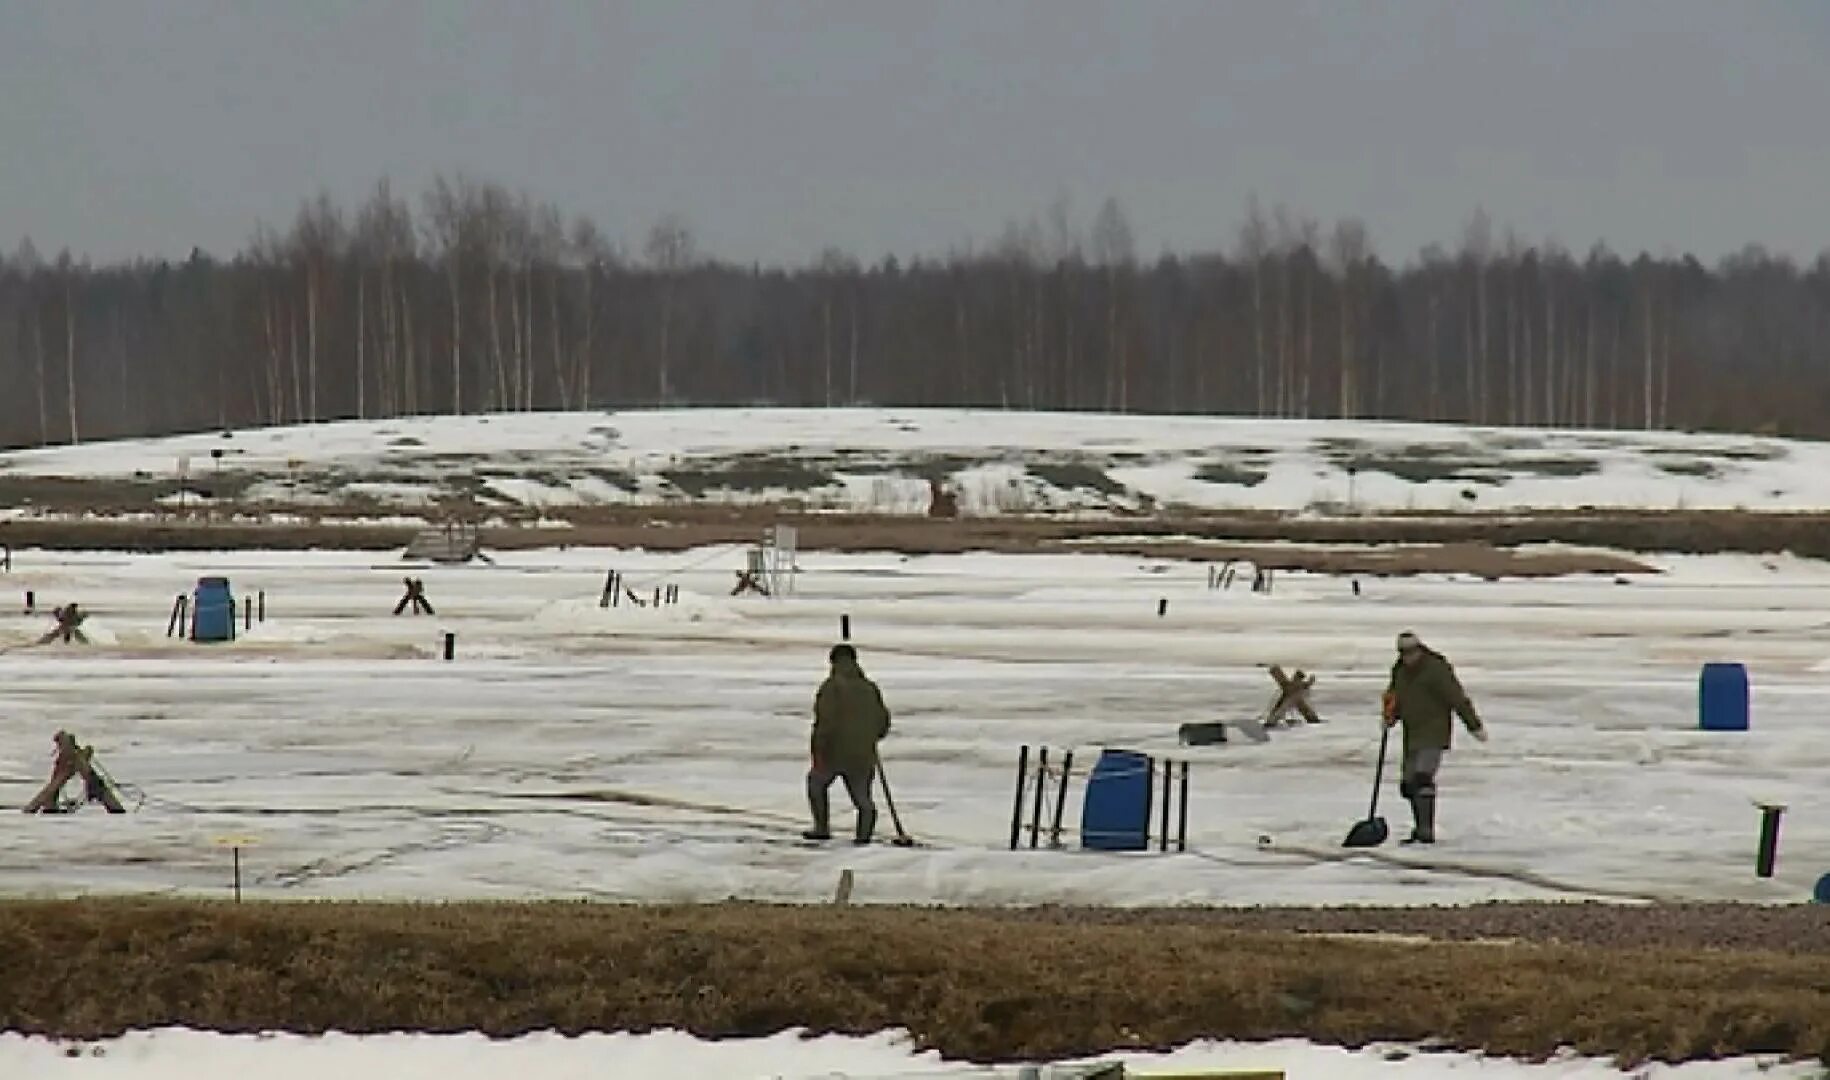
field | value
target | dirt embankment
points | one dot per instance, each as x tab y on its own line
1481	545
1674	984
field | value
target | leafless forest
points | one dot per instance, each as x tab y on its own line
474	298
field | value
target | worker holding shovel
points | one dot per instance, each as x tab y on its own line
849	717
1422	695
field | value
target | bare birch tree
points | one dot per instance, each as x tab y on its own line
670	252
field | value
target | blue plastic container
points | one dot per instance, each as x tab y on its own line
1116	813
212	610
1821	894
1722	698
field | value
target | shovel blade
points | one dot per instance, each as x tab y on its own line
1369	833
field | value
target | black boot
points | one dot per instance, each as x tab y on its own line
820	805
1423	813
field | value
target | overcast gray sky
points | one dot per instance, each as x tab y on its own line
779	127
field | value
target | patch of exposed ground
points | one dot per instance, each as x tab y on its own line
682	528
1481	560
1672	984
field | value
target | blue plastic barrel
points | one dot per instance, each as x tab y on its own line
1722	698
1821	894
1116	813
212	610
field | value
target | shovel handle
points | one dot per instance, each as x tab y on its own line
1385	738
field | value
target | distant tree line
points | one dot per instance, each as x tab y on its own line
482	299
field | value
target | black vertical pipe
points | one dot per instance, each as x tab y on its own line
261	607
1035	813
1016	810
450	646
845	628
1162	606
1162	842
1054	829
1769	839
1182	821
1149	797
247	613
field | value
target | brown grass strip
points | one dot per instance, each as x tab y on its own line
973	984
1406	546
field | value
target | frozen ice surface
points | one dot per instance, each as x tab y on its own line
635	753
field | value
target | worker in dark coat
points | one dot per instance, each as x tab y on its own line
1422	695
849	716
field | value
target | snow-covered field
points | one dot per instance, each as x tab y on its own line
644	754
875	459
188	1055
657	754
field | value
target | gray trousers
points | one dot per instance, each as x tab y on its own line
1419	774
1417	783
857	785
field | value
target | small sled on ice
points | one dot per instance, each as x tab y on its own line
1290	701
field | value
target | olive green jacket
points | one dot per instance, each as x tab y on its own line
849	716
1424	696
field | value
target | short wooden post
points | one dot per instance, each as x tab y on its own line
261	607
31	602
845	628
247	613
450	646
1162	607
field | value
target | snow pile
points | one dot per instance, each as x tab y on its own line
997	461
